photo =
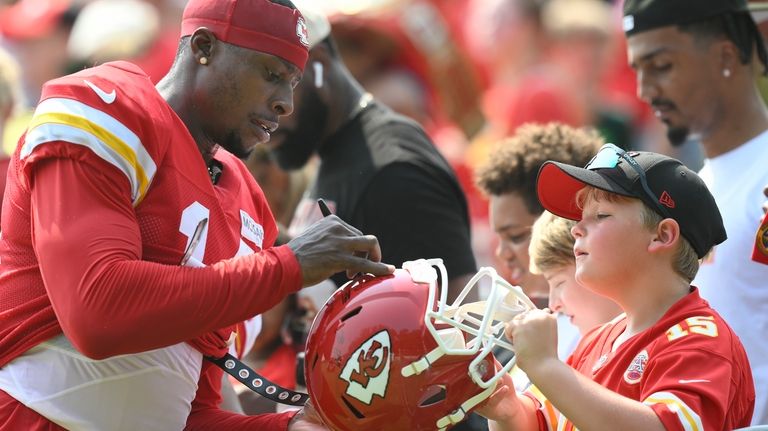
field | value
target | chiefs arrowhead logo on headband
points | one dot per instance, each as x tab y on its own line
302	31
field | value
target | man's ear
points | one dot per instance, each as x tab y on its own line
728	57
665	237
203	44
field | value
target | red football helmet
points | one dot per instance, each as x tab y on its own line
385	354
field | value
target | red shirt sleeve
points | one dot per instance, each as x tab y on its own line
110	302
206	415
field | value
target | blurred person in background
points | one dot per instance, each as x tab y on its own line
508	178
373	162
109	30
414	57
420	43
696	62
10	99
34	32
160	55
10	89
377	170
582	37
510	39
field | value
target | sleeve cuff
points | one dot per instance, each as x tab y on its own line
292	276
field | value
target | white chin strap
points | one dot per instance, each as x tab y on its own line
483	323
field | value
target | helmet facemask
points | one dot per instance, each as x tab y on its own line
468	329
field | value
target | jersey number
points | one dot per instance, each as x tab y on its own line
702	325
191	219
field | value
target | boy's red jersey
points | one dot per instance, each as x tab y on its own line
689	367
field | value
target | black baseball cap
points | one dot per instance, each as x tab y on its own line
642	15
670	189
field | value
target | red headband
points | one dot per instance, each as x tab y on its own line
259	25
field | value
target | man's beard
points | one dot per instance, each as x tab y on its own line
677	135
233	143
301	143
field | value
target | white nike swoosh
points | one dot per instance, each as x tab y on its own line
108	98
683	381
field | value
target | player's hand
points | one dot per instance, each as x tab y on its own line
331	245
534	336
503	404
307	419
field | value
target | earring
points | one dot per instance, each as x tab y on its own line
318	74
203	60
727	73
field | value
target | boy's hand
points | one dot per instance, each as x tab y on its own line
534	335
503	404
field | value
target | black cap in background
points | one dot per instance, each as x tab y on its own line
642	15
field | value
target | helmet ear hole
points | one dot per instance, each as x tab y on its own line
352	313
433	395
352	408
314	360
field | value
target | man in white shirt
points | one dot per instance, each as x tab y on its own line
695	67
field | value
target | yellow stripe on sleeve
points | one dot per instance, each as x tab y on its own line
71	121
690	420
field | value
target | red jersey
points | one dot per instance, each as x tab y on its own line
689	367
107	193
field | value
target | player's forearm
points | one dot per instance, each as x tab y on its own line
206	415
214	419
132	306
587	404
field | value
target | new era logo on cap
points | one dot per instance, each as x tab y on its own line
667	200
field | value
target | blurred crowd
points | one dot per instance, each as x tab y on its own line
470	71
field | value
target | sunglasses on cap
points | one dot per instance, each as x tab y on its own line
608	158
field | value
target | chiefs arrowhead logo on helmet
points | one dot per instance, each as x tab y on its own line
367	370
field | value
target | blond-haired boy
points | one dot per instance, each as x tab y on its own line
669	362
551	253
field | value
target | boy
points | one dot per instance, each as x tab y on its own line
669	362
551	253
